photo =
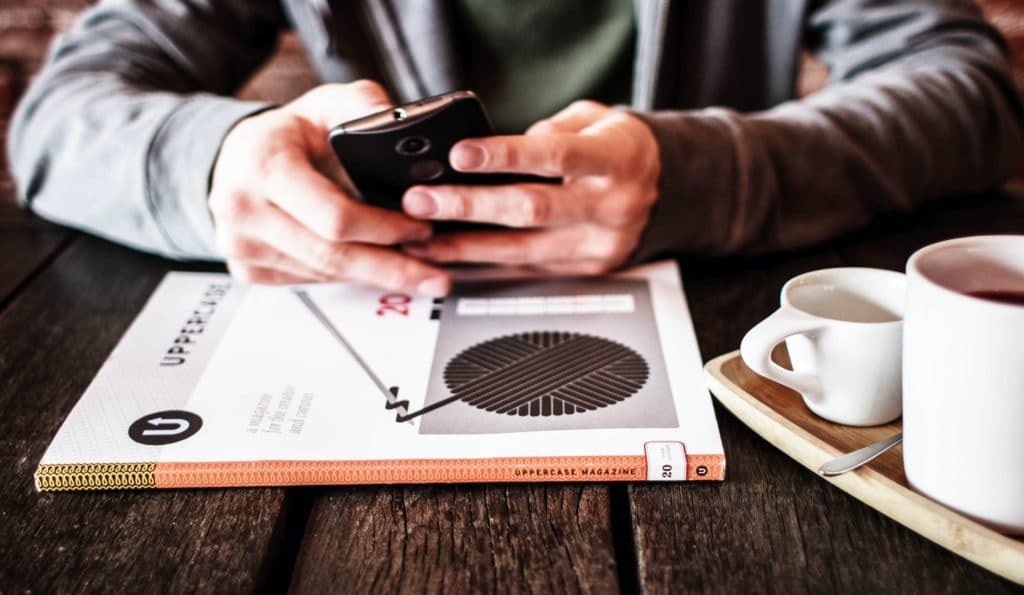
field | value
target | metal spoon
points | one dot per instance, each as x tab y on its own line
858	458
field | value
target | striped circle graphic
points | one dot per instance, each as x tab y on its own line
545	373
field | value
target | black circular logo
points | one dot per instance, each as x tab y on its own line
702	471
165	427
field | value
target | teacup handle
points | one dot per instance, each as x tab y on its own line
756	349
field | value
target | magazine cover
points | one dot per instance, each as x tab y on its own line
219	383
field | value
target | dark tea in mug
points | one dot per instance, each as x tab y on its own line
1003	296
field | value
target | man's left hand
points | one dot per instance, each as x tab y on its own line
589	224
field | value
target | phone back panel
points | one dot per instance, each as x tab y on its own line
382	169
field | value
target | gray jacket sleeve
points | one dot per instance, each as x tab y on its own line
118	132
920	105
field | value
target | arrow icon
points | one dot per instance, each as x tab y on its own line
180	425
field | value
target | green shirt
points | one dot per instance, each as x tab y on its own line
528	59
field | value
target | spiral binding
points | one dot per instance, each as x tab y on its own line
111	476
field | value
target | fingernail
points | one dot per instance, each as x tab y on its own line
433	286
467	156
419	203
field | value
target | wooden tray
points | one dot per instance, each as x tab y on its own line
780	417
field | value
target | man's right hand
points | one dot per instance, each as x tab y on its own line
281	215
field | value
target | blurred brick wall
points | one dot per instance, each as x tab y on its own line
27	25
25	31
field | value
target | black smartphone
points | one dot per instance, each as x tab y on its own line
387	152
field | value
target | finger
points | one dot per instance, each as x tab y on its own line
332	104
555	155
586	268
262	276
395	271
504	247
574	118
347	261
328	164
316	202
251	252
515	205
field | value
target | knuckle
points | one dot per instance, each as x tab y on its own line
621	246
533	210
585	105
562	157
505	154
459	205
618	117
633	152
231	205
519	253
396	273
622	211
276	168
243	273
278	164
369	89
444	249
625	208
236	247
396	277
324	256
610	246
318	95
337	225
542	127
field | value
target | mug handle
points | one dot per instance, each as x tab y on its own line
757	345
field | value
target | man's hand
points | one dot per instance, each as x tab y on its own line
590	224
281	215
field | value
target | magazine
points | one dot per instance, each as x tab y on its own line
220	383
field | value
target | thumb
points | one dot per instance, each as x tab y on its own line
328	105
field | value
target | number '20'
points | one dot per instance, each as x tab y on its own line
394	303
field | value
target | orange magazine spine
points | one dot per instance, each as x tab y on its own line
114	476
410	471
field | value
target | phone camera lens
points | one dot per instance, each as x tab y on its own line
413	145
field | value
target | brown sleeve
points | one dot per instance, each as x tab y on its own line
920	105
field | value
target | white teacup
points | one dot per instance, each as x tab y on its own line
964	377
843	328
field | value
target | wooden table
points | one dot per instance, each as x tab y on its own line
65	299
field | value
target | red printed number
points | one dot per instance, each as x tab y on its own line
394	303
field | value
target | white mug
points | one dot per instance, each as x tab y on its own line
843	329
963	378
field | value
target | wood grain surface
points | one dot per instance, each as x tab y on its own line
842	438
459	539
772	526
779	415
53	338
26	246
